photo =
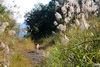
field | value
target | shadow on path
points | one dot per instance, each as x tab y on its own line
46	46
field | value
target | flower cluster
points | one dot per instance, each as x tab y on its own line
80	10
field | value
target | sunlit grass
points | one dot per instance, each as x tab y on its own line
19	60
18	49
23	45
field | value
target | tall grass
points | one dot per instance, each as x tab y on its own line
83	49
18	49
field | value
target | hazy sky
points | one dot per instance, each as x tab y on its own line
25	5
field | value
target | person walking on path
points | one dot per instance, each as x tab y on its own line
37	46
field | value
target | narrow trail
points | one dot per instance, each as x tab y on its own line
35	56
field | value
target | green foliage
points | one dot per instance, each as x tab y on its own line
40	20
2	9
4	16
83	49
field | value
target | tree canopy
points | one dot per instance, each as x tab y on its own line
40	20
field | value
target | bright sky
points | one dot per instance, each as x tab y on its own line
25	6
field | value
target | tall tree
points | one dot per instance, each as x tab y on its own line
40	20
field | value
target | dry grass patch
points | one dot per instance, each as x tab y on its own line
19	60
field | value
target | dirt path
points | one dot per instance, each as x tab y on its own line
35	56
